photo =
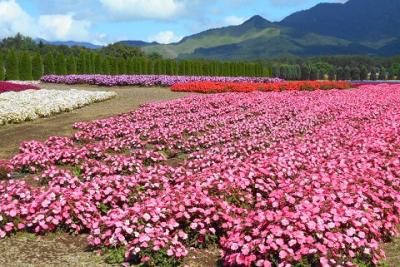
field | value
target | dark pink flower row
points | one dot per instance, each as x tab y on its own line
9	86
274	178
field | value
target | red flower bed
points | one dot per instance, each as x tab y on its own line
7	86
222	87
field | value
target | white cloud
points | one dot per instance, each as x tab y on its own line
165	37
234	20
63	27
144	9
13	20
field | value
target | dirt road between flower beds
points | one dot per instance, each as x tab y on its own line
128	98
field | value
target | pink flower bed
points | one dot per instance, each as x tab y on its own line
274	178
9	86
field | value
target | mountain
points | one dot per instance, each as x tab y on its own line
253	28
137	43
356	27
357	20
69	43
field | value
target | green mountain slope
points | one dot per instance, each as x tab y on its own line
317	31
253	28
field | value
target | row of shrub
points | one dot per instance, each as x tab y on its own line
321	71
26	66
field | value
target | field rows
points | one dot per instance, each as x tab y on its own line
273	178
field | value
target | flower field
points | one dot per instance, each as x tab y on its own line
15	87
146	80
244	87
274	179
16	107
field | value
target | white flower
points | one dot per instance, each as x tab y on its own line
16	107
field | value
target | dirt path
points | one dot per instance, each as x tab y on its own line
129	98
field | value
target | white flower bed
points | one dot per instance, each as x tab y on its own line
25	82
17	107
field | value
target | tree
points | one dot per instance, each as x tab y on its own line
81	63
120	50
340	74
12	72
114	68
355	74
314	73
2	73
373	74
25	67
98	64
37	67
60	65
275	70
283	70
390	74
321	74
382	74
332	74
305	72
106	68
48	64
347	73
71	65
19	42
363	73
87	68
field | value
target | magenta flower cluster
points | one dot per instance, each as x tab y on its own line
275	178
146	80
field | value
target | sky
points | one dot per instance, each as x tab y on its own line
107	21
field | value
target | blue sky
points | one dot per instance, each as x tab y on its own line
107	21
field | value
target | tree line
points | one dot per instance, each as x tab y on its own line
324	71
26	66
24	58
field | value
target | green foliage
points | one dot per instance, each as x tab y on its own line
314	73
158	258
114	68
363	73
25	67
98	64
390	74
339	74
347	73
2	73
305	72
12	68
382	74
48	64
355	74
37	67
114	255
373	76
122	67
106	66
60	65
18	42
123	51
332	75
71	65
